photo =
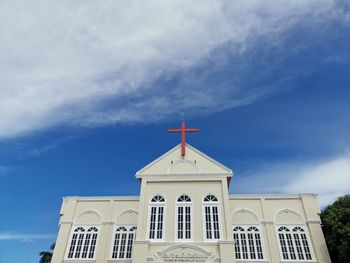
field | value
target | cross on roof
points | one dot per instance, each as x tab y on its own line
183	131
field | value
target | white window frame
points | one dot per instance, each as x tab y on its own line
245	228
183	204
128	228
157	205
211	205
68	246
307	234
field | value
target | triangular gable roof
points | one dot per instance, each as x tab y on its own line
172	163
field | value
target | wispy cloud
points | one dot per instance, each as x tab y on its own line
51	146
328	178
25	237
94	63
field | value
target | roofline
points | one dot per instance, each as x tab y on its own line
101	198
271	196
156	160
229	171
211	159
231	196
197	176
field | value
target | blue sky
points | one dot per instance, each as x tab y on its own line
88	90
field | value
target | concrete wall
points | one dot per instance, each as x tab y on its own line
264	211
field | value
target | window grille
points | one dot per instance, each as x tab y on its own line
83	243
123	242
156	218
248	244
294	243
184	224
211	216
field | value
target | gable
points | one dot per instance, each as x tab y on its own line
195	162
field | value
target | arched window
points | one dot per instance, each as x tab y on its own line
294	243
123	242
184	217
83	243
211	217
156	217
247	242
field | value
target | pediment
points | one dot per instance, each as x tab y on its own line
195	162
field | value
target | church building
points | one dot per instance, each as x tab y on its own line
185	214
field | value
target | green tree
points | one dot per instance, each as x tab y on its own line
47	255
336	228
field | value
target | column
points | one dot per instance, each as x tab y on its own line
61	242
227	254
140	252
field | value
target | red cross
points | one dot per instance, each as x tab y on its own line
183	131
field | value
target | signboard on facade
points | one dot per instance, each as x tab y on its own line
184	254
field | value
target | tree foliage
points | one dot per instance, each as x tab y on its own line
45	256
336	228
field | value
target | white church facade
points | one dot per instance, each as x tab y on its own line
185	214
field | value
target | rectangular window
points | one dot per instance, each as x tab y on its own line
248	245
244	246
180	222
123	242
283	246
156	223
83	242
183	222
86	245
160	222
212	227
152	222
237	245
294	244
208	222
187	222
72	245
80	243
306	247
93	245
116	245
129	246
259	246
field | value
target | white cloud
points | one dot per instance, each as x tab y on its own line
25	237
328	178
92	62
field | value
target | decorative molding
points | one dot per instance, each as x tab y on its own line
184	253
89	211
226	242
142	242
288	210
245	210
270	196
66	222
187	177
267	222
79	261
102	198
174	243
108	223
313	221
183	161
